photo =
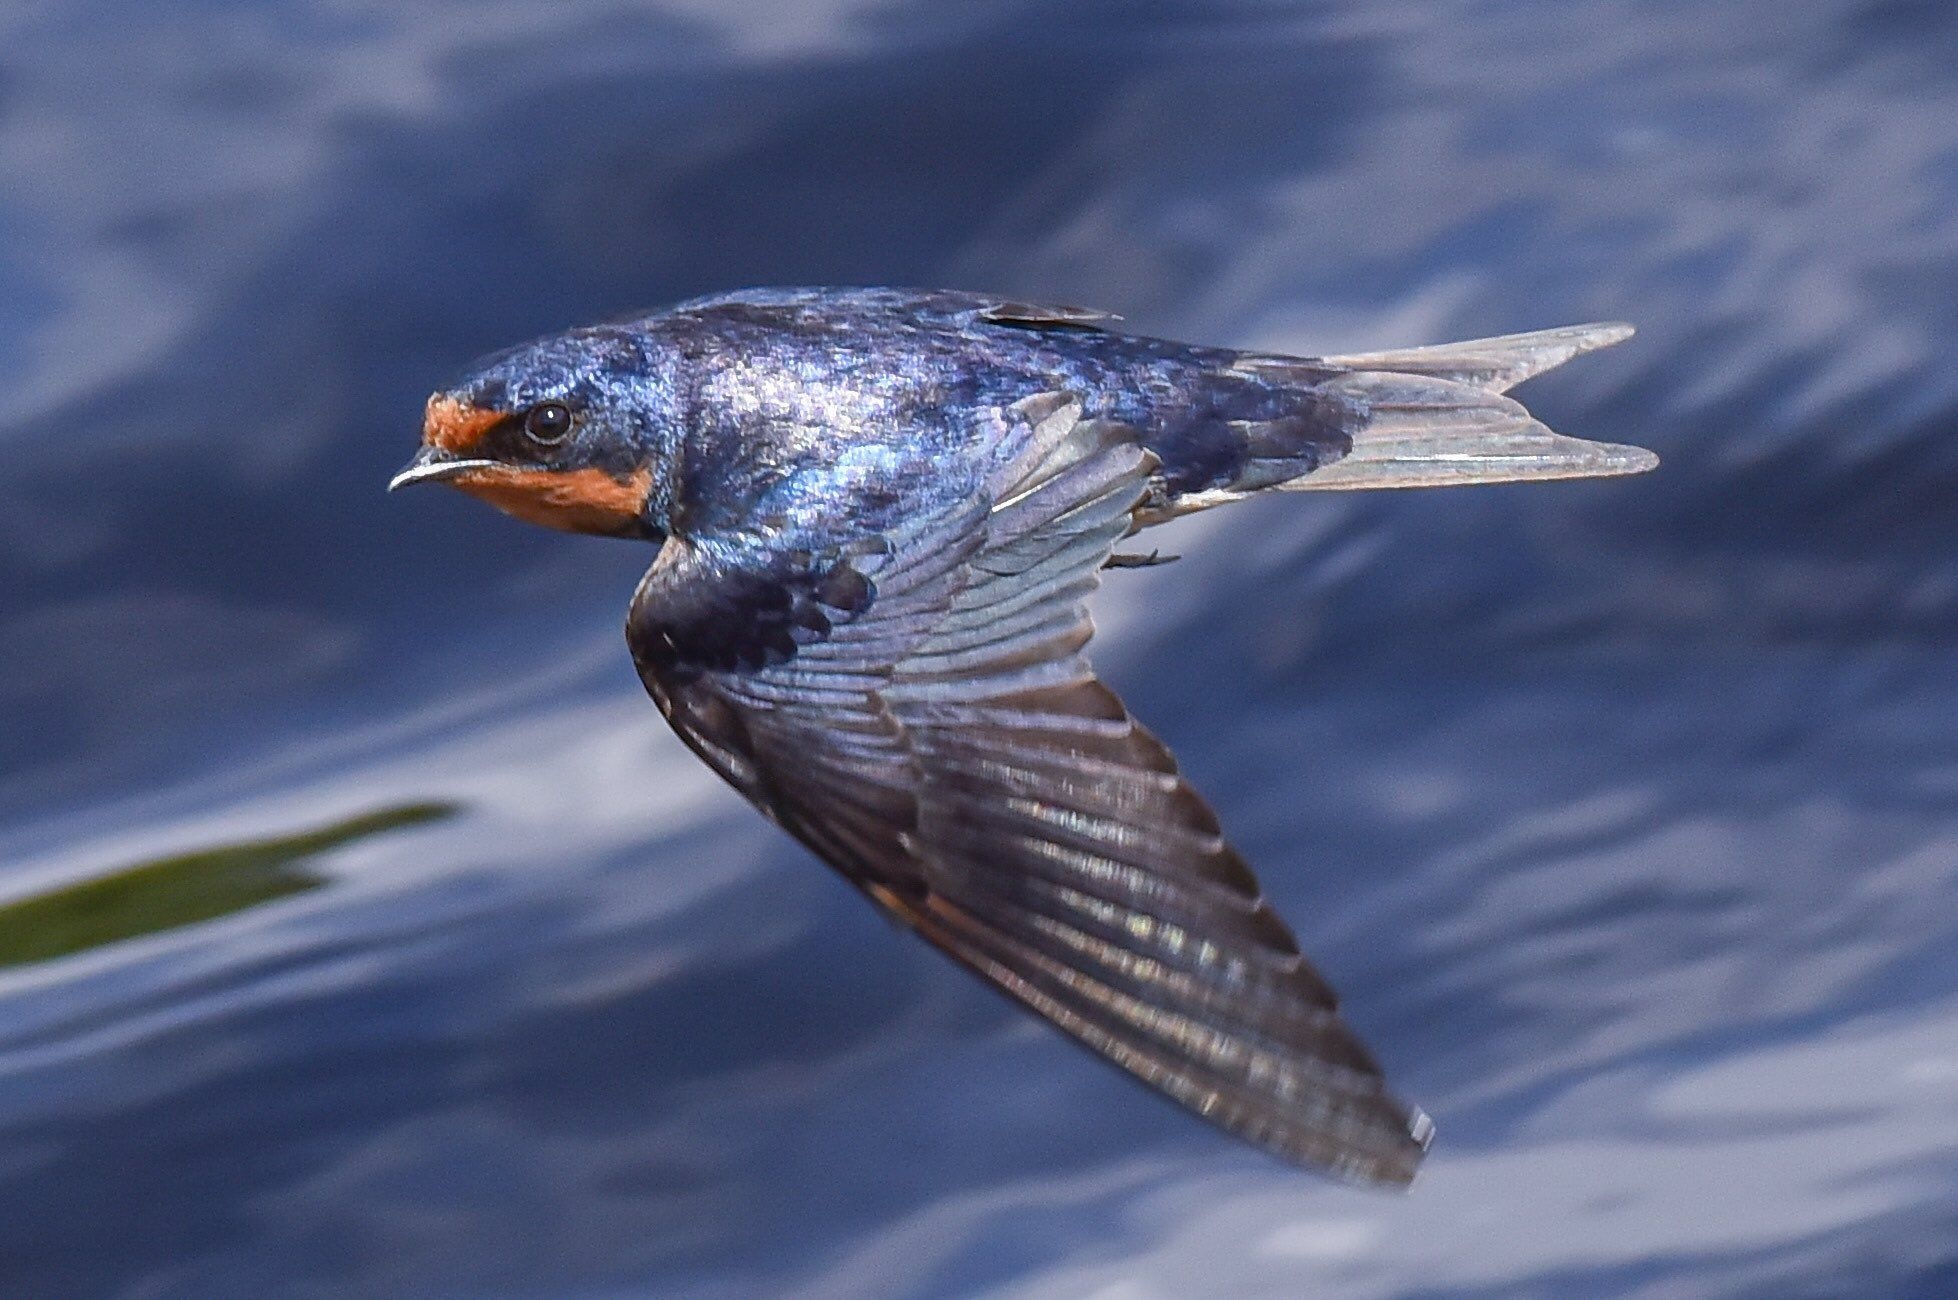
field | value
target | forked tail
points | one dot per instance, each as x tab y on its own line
1437	416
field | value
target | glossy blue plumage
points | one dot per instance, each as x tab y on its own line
731	392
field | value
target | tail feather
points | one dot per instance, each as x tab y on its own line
1423	432
1495	364
1436	416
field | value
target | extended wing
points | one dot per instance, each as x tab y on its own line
911	702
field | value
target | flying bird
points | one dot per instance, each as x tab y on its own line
879	514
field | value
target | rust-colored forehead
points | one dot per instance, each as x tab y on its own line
456	427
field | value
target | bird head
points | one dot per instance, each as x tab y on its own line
562	432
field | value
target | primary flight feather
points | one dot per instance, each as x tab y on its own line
879	513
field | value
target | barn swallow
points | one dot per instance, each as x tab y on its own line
878	515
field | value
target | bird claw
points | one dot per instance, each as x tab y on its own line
1149	561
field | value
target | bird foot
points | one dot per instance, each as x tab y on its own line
1149	561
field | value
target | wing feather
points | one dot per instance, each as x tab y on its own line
949	750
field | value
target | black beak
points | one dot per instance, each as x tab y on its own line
432	465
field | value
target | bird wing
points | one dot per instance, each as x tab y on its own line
914	706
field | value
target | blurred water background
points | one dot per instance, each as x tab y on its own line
364	933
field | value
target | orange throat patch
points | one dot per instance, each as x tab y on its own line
573	501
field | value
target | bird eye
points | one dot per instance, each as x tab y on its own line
547	423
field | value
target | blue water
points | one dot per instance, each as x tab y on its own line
1624	814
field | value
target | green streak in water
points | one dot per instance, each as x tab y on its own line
183	889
